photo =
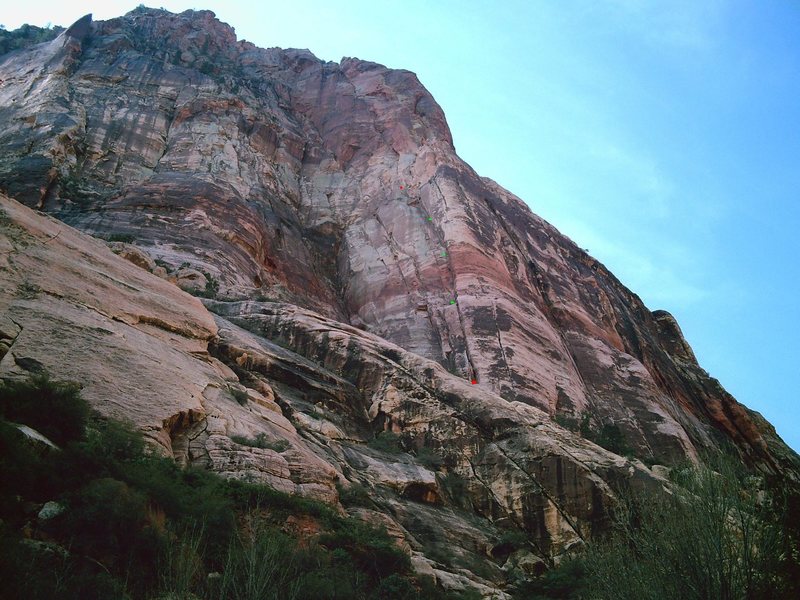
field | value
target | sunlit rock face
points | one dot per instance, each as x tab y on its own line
363	278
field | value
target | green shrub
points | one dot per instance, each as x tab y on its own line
239	395
455	486
210	291
127	238
261	441
566	422
25	36
386	441
513	539
611	438
55	409
371	549
715	530
354	495
429	458
105	518
260	568
137	526
568	581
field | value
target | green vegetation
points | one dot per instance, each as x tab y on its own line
55	409
239	395
354	495
25	36
430	458
135	525
566	422
719	535
212	287
567	582
127	238
609	436
261	441
386	441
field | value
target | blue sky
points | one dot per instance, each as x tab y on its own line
662	136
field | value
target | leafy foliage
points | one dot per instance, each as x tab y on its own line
261	441
55	409
135	525
430	458
25	36
354	495
127	238
716	536
386	441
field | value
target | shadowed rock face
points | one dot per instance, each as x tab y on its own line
366	276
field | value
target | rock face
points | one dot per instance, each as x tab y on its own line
362	277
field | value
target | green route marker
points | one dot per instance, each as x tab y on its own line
452	301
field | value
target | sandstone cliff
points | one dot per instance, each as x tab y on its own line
362	278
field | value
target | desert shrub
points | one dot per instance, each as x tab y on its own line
714	537
261	441
611	438
354	495
455	486
395	587
24	475
386	441
127	238
42	572
430	458
107	519
55	409
210	291
512	540
239	395
212	286
26	35
566	422
137	526
568	581
260	568
371	549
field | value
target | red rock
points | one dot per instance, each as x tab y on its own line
334	192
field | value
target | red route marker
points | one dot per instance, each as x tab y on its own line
401	187
474	382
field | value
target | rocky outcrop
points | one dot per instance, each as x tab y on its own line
272	392
362	278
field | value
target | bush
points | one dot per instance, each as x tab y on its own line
54	409
25	36
566	422
239	395
386	441
261	568
137	526
371	549
210	291
456	489
354	495
127	238
712	538
568	581
260	441
429	458
611	438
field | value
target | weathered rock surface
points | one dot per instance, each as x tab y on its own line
362	278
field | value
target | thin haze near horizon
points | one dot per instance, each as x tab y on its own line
663	137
